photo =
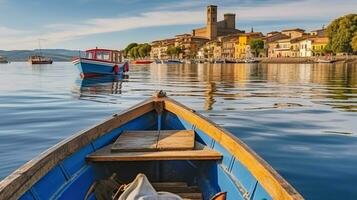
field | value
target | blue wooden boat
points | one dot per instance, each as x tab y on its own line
101	62
218	162
172	61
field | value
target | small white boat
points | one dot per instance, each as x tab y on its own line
251	60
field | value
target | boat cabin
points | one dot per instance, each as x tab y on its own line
113	56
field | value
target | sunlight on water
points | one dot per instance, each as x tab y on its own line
300	118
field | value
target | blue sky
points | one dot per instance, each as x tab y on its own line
82	24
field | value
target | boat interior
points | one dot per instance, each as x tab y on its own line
175	148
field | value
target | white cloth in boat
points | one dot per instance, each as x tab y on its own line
141	189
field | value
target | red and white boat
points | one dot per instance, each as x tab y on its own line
101	61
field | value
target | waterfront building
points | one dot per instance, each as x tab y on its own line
189	44
228	46
313	46
214	28
211	50
295	47
159	48
278	45
242	47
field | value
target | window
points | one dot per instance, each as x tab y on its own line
89	55
102	55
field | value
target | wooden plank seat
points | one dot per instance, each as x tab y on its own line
180	188
200	152
154	140
169	145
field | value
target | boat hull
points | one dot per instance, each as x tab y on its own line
240	173
142	62
41	62
91	68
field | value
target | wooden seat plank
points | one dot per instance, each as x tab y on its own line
154	140
199	153
136	141
176	140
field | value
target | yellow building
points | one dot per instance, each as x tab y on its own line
318	45
242	47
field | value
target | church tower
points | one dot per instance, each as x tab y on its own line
211	22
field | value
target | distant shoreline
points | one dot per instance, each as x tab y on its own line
307	60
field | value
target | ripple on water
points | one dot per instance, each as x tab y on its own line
300	118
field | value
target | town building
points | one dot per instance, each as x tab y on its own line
313	46
294	33
159	48
242	45
214	28
278	45
212	50
319	32
189	44
228	46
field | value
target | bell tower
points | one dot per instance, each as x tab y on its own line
211	22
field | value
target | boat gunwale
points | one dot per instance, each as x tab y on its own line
23	178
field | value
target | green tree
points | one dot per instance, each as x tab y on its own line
128	48
256	45
340	33
141	51
354	43
134	53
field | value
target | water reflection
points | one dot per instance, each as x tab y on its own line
327	84
92	88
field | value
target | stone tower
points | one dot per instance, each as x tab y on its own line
230	19
211	22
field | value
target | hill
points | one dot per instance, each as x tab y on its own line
55	54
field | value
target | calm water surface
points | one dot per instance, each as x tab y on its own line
302	119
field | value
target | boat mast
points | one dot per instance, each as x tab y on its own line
39	45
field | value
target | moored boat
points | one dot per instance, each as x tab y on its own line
251	60
100	62
326	59
3	60
38	60
172	61
177	149
142	61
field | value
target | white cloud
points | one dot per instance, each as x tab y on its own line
56	33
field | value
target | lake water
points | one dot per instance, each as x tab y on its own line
301	118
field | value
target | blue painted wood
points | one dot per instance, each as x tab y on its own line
76	161
226	160
27	196
92	68
171	122
226	184
78	186
50	183
260	194
243	175
91	197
